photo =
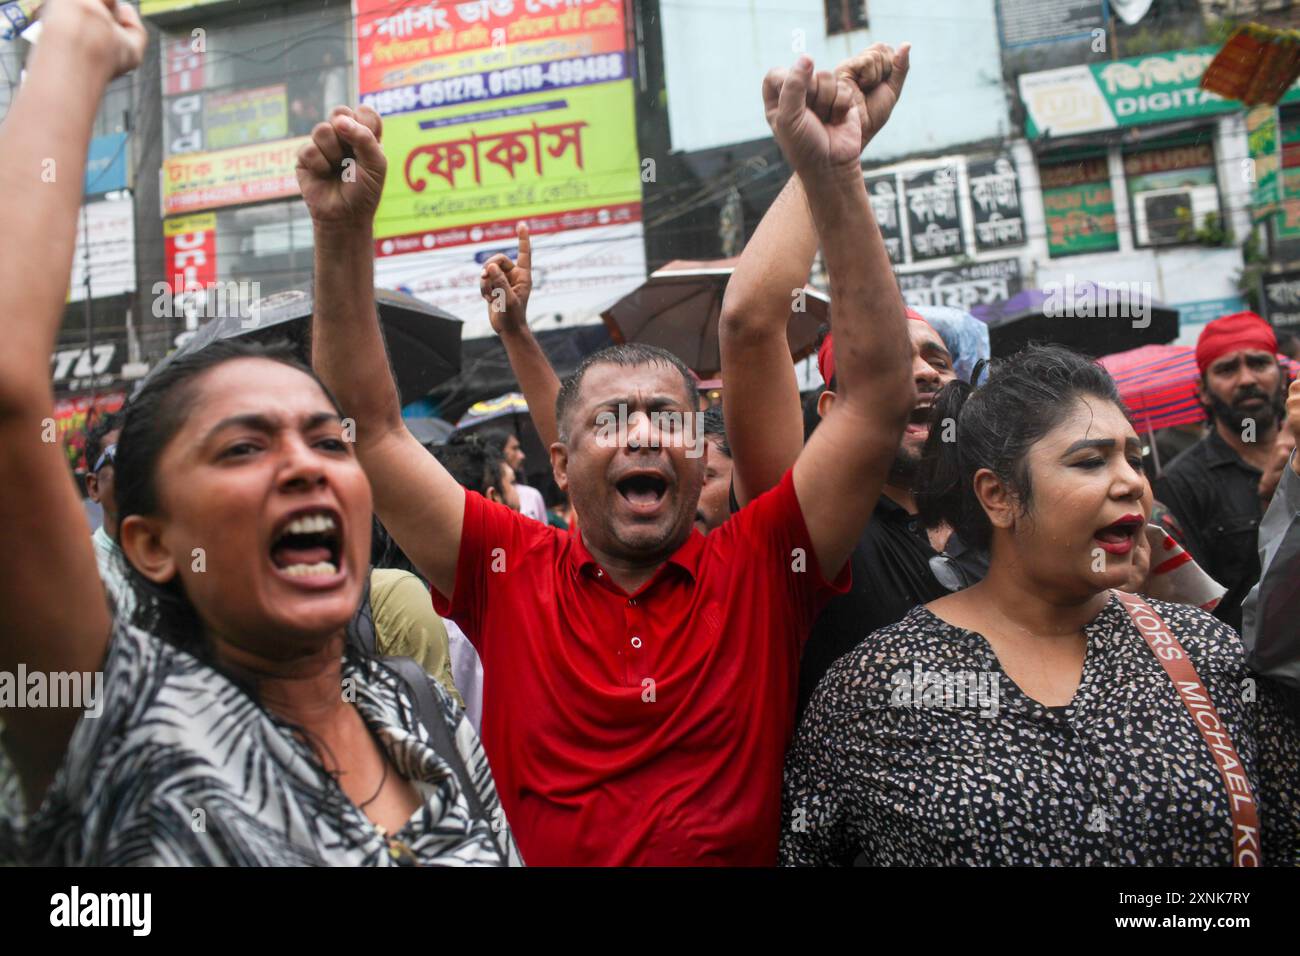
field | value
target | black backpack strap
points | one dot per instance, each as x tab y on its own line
433	716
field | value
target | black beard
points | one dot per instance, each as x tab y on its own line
1235	419
903	469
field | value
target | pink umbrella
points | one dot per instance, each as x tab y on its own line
1158	384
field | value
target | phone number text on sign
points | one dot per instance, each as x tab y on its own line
579	71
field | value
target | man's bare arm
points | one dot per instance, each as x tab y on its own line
760	402
419	503
506	285
757	370
839	474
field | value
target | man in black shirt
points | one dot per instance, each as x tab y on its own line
892	561
1212	489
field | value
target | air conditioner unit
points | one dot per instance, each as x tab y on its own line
1164	217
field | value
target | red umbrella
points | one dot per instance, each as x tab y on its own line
1158	384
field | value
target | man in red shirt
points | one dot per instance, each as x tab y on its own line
639	678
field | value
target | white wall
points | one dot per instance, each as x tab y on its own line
717	52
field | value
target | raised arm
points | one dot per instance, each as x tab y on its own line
760	402
341	173
756	366
53	613
839	473
506	285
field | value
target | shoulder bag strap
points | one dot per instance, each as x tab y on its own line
1169	652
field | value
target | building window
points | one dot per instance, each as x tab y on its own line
845	15
262	79
1079	205
1172	190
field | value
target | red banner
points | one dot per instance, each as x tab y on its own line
399	44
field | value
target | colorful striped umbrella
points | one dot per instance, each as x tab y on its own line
1158	384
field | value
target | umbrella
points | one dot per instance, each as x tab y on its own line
1158	384
423	341
510	413
429	431
677	309
510	405
485	369
1087	317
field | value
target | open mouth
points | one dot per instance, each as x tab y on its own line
308	545
919	421
643	490
1118	537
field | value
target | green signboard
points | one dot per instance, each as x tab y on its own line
1156	88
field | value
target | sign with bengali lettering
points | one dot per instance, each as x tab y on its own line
242	117
152	8
230	176
934	216
1263	143
1030	22
1281	299
1079	207
963	286
995	202
421	56
1155	88
885	206
1286	224
498	112
106	164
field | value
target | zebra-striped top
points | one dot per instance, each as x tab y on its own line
182	767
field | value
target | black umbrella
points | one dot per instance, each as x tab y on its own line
423	341
1090	318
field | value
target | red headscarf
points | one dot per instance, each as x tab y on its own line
826	354
1232	333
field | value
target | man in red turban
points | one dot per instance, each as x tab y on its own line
1212	488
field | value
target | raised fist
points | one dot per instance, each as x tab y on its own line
814	117
877	75
506	286
109	32
341	170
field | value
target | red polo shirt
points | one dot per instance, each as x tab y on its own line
643	728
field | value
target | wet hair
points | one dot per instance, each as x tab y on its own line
1024	398
475	462
496	436
152	418
715	429
96	433
628	356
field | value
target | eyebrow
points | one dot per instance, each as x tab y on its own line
268	425
655	401
931	346
1107	443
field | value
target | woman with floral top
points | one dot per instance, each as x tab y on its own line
1029	719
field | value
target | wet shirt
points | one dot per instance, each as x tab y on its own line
891	575
1214	497
182	767
885	770
643	728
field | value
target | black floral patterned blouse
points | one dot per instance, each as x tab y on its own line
918	750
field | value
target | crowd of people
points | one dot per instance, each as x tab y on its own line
937	628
